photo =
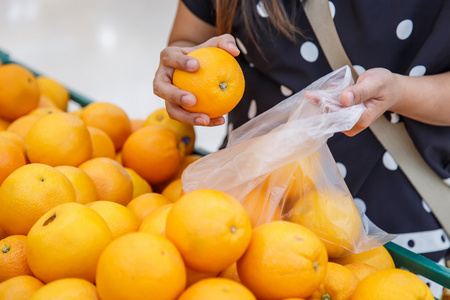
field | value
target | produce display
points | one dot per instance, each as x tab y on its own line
92	207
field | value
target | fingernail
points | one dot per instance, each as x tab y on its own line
200	121
350	98
186	100
192	65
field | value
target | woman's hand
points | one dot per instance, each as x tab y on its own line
174	57
378	90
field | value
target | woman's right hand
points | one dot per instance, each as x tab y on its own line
174	57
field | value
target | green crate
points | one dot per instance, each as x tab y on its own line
403	258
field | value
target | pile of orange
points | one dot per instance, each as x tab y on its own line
92	207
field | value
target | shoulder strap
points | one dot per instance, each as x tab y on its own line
393	137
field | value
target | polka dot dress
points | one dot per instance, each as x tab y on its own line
408	37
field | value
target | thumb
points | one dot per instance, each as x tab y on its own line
363	90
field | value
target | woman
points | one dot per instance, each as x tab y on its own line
401	50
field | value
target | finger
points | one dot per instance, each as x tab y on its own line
177	58
176	112
226	42
163	88
363	90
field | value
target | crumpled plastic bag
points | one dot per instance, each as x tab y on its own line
278	166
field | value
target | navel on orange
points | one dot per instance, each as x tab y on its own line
67	242
28	193
218	84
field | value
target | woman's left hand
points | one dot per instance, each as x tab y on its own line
378	90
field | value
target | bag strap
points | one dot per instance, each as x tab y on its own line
393	137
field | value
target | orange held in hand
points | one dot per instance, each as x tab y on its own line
218	84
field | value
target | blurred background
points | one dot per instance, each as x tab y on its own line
106	50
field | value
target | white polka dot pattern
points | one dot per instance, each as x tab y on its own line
309	51
332	9
423	241
342	169
447	181
286	91
360	205
426	207
359	69
241	46
395	118
389	162
261	10
418	71
252	110
404	29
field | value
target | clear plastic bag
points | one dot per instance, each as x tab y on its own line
278	166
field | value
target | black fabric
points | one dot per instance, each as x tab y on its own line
409	37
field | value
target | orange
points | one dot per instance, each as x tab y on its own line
59	139
110	118
218	84
11	158
19	141
281	255
174	190
138	265
193	276
210	229
136	124
333	216
187	160
154	153
259	204
19	287
111	180
84	186
43	111
19	91
230	273
392	284
120	219
22	125
185	133
155	222
140	185
54	90
45	101
77	113
28	193
67	289
67	242
217	289
102	145
339	284
12	257
118	157
378	257
4	124
361	270
144	204
3	234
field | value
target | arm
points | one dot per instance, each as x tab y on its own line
188	33
422	98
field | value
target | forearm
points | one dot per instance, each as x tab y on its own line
424	98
